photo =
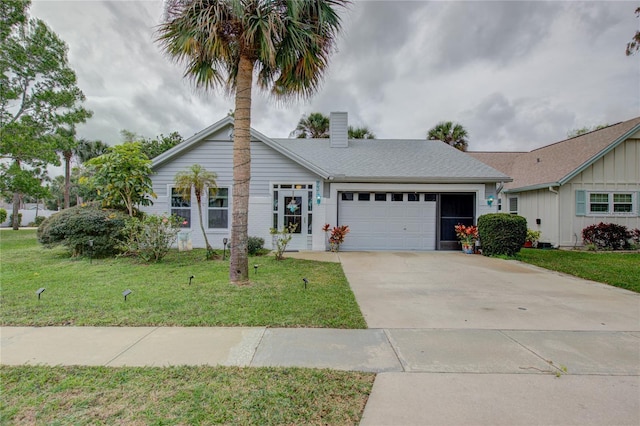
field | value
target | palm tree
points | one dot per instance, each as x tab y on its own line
198	178
287	43
360	133
450	133
313	126
86	150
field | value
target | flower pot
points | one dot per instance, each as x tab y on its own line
528	244
468	249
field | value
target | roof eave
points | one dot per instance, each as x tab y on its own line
531	187
401	179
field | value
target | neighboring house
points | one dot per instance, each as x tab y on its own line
393	194
566	186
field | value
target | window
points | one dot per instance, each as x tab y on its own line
611	203
430	197
219	208
380	196
364	196
347	196
513	205
413	197
397	196
181	208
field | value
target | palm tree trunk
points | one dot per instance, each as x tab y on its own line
204	233
239	259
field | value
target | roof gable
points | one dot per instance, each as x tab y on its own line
558	163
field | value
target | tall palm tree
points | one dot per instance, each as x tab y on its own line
86	150
198	178
450	133
314	126
287	43
360	133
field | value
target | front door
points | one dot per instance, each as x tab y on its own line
294	211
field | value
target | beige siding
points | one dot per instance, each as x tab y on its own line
541	204
618	170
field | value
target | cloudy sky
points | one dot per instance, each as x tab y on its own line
516	74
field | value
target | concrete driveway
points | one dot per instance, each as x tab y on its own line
451	290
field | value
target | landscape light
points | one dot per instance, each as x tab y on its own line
306	281
224	247
39	292
126	293
190	278
255	268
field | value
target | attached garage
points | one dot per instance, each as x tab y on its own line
388	220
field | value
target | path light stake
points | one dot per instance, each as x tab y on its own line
190	278
224	247
39	292
90	252
306	281
255	268
126	293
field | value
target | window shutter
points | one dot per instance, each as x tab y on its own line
581	203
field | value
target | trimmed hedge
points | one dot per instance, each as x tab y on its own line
501	233
75	226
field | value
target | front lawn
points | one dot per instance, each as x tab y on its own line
182	395
83	293
617	269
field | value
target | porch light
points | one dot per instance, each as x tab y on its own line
490	200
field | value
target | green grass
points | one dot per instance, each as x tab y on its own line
90	294
181	395
617	269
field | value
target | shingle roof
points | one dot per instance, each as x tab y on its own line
392	160
554	164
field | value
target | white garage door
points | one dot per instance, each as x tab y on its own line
388	221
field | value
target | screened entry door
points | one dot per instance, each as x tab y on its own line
293	209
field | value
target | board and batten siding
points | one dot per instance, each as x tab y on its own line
541	204
215	153
618	170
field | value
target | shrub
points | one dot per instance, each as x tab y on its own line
635	238
37	221
19	219
3	215
607	236
76	226
501	233
282	238
254	245
151	237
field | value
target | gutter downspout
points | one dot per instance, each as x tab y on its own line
557	208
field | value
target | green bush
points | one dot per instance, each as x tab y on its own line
254	245
3	215
19	219
38	221
76	226
151	237
501	233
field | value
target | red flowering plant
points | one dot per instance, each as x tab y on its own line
337	235
468	235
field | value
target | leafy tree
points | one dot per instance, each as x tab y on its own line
450	133
634	45
312	126
121	177
198	178
586	129
154	147
85	150
38	98
360	133
287	43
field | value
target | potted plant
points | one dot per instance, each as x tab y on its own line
532	238
468	235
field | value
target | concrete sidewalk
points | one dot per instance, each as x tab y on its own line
427	376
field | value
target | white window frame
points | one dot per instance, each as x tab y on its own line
227	208
513	211
172	208
611	203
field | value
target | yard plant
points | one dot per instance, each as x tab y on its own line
84	292
617	269
501	233
181	395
